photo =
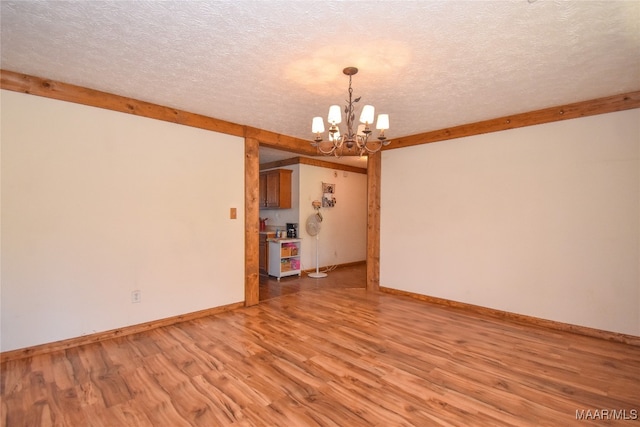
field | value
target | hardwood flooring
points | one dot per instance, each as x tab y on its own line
352	276
330	357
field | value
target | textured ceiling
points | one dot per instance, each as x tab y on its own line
276	64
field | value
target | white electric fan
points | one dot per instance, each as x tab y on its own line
313	226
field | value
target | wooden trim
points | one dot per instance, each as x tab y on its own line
251	222
47	88
24	83
312	162
520	318
330	165
374	173
280	163
281	142
610	104
94	98
22	353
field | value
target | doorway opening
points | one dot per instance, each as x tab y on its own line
309	173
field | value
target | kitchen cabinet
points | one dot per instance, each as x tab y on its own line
275	189
284	257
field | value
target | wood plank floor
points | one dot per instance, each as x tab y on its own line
352	276
329	357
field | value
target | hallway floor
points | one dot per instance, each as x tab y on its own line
353	276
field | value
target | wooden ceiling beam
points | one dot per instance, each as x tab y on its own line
281	142
609	104
48	88
312	162
17	82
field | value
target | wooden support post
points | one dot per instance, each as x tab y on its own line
374	168
251	219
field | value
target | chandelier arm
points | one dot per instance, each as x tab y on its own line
336	145
331	151
372	150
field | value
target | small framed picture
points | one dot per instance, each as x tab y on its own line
328	195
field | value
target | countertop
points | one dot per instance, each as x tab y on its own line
282	239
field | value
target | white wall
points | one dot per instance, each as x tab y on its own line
343	238
96	204
541	221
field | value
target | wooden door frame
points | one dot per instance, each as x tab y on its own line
251	221
252	213
374	180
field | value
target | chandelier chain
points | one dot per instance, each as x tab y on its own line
349	111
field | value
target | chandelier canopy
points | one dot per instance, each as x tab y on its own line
354	142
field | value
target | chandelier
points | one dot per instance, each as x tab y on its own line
355	142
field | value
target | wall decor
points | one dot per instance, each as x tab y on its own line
328	195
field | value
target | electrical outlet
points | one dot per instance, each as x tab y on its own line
136	296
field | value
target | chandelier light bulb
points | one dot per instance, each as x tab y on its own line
335	115
383	122
317	126
368	112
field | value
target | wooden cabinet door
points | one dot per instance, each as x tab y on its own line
284	192
273	189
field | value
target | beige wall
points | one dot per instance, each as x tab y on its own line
542	221
96	204
343	238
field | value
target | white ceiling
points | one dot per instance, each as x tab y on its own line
275	64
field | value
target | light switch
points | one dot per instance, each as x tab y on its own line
233	213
